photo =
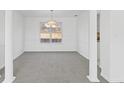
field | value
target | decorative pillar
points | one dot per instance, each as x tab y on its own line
8	47
93	46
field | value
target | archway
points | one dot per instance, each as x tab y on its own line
92	47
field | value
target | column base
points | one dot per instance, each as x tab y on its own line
9	81
93	79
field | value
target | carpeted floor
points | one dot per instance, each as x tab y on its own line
54	67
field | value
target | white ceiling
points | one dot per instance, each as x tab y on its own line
47	13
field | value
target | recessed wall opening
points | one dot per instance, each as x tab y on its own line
51	49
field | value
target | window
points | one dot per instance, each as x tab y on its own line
45	36
56	36
50	35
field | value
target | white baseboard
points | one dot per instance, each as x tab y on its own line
93	79
83	55
53	51
9	81
2	67
18	55
104	76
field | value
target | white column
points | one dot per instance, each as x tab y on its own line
93	46
8	47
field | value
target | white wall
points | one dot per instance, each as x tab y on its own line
83	34
32	35
105	43
18	34
112	45
2	39
117	46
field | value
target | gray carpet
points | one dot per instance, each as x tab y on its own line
55	67
2	75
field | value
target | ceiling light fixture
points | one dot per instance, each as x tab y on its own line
51	23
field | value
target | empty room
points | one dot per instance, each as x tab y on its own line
60	46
